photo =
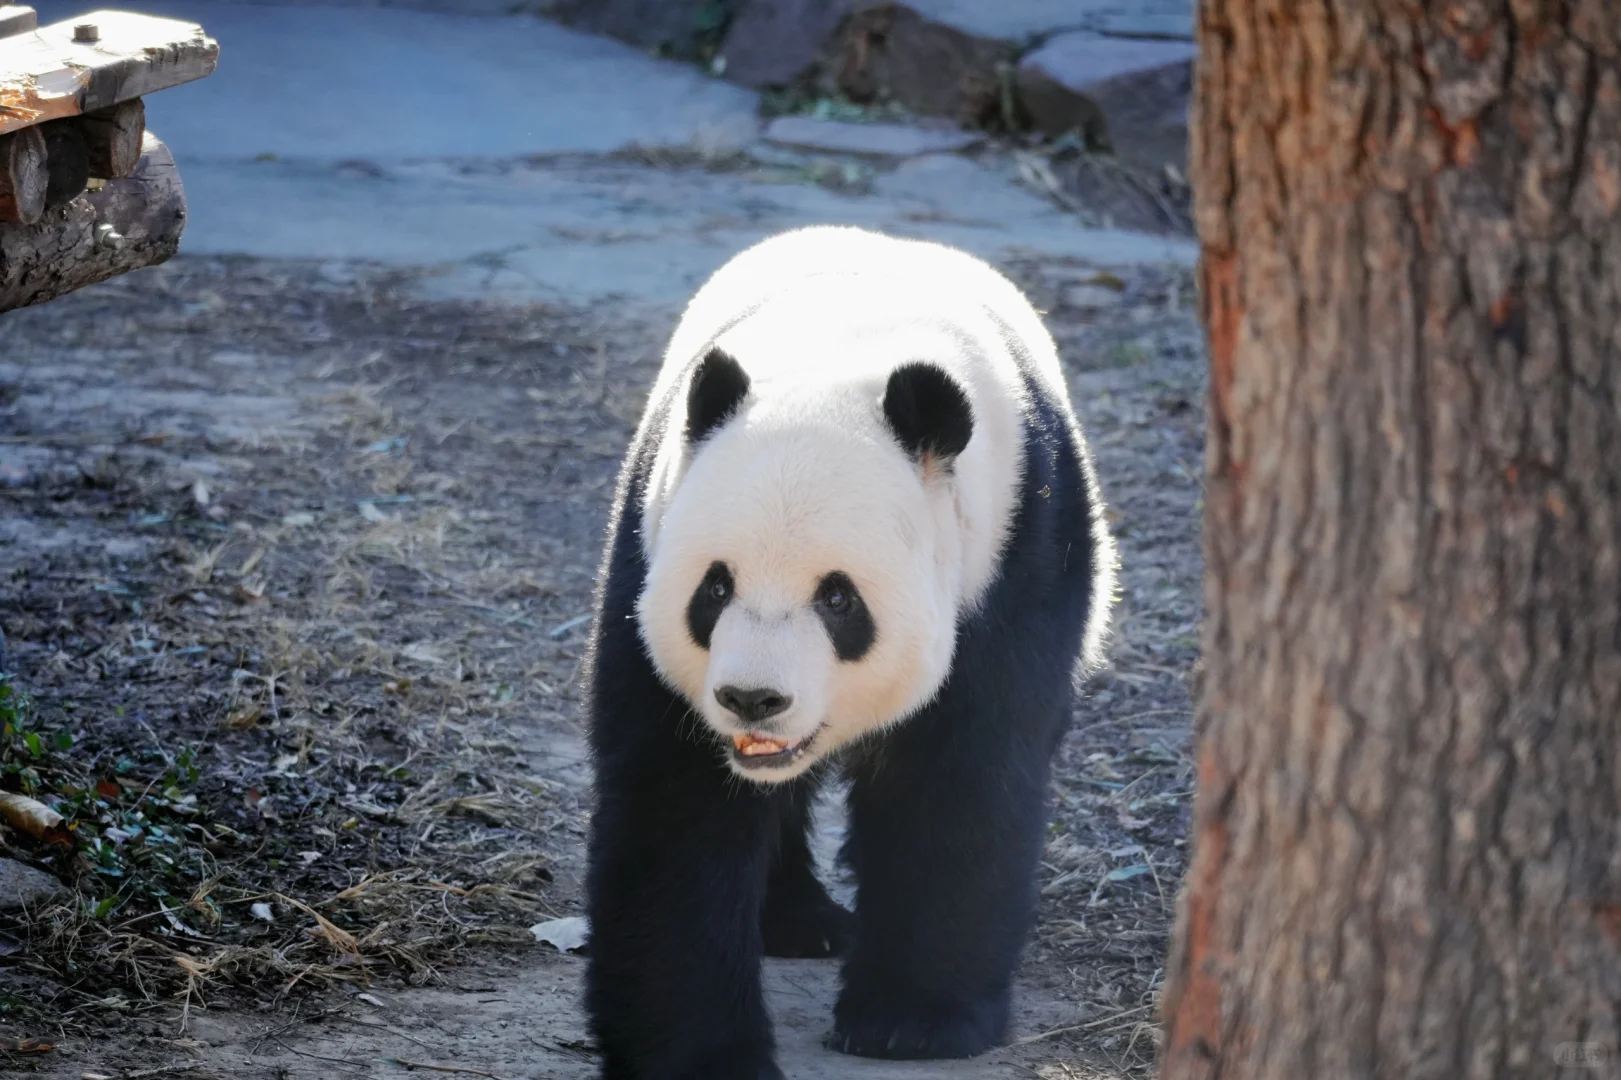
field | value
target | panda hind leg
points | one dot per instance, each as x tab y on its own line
799	920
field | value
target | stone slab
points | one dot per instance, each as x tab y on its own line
1026	20
583	232
873	140
383	84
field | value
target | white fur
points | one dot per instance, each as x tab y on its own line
807	478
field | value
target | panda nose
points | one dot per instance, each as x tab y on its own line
752	706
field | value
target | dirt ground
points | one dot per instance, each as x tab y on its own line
296	568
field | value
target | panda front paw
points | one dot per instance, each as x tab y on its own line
881	1026
809	926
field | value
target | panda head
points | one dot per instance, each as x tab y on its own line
806	566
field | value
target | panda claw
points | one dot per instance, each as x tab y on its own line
890	1028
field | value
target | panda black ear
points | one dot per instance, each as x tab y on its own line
928	411
718	387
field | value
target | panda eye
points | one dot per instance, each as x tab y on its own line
837	596
719	590
845	616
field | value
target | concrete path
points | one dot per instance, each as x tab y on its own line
475	148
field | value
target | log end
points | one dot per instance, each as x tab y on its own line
128	224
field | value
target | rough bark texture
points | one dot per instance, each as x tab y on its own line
1408	831
72	246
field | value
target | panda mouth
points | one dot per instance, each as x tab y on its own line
757	752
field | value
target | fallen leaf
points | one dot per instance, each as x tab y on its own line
422	653
34	818
564	935
1126	873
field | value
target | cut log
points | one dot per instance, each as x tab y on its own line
16	19
48	75
66	161
128	224
23	176
112	138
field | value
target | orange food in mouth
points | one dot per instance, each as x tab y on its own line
754	746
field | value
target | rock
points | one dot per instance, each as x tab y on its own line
873	140
1171	25
775	43
686	29
1091	297
1027	21
1129	95
24	887
890	53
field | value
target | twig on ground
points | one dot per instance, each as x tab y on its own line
1090	1026
440	1068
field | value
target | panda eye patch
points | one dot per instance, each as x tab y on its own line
709	599
845	617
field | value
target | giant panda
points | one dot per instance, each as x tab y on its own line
858	529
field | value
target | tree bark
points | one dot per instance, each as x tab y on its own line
1407	839
126	225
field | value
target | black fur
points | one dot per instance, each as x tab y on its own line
718	387
849	623
709	599
928	412
695	874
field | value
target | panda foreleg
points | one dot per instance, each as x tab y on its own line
946	820
799	919
679	861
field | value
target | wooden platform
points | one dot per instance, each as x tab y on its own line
86	193
45	74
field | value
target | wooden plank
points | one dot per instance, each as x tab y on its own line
16	19
128	224
47	75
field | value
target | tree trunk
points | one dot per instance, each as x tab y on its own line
1407	841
